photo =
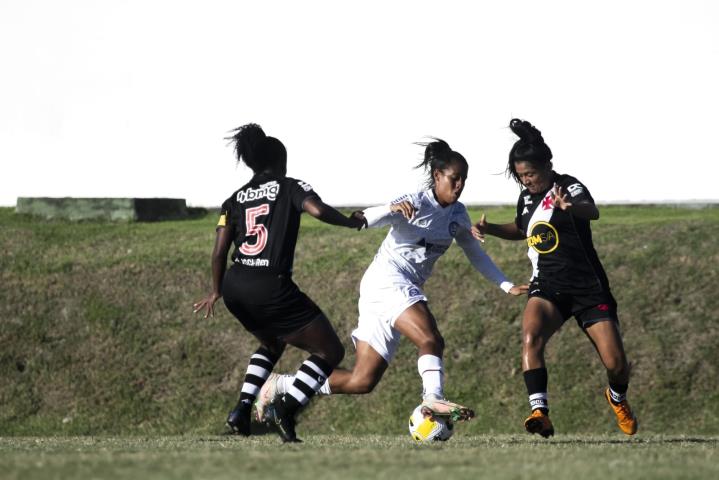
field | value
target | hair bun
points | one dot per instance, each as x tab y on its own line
525	131
438	148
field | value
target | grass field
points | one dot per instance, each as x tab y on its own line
105	373
349	457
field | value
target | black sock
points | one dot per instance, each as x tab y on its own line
309	378
536	382
261	364
617	392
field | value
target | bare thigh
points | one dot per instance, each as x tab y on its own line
541	320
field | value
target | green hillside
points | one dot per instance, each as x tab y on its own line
97	334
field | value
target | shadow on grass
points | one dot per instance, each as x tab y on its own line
628	441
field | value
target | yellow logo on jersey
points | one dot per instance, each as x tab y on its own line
543	237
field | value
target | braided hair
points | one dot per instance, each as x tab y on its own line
529	148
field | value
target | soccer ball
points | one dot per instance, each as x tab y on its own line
423	427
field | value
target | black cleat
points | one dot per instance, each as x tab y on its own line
239	419
284	422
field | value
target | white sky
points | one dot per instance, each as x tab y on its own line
133	98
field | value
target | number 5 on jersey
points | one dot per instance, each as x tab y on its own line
256	229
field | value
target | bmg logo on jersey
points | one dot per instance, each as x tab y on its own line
543	237
267	190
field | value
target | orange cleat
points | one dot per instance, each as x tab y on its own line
539	423
625	417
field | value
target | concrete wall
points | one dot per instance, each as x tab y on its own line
112	209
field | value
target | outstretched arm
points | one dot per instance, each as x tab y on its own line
484	264
584	209
223	240
507	231
325	213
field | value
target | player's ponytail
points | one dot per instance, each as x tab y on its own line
529	148
437	156
255	149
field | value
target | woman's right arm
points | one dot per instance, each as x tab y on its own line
223	240
328	214
507	231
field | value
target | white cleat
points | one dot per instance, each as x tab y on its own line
444	408
267	396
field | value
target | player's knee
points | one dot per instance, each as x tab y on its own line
532	342
433	342
364	384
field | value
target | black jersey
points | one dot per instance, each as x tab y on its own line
264	216
560	244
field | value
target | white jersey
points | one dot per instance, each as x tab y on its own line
412	247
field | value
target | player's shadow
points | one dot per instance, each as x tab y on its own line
256	429
636	441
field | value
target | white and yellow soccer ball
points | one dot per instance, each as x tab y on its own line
423	427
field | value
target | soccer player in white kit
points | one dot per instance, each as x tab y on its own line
392	303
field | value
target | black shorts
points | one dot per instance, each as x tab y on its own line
587	308
267	303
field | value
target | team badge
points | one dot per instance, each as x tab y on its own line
453	227
548	203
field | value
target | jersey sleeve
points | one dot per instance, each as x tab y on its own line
576	191
225	217
299	192
476	255
381	215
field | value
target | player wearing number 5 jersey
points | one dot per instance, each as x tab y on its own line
262	219
553	215
392	304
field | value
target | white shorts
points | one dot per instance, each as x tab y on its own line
384	295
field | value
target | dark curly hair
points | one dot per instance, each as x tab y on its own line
529	148
257	150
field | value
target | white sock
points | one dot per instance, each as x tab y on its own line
325	388
284	383
431	370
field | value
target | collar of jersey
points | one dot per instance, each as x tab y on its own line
263	177
430	194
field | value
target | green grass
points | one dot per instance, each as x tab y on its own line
378	457
97	335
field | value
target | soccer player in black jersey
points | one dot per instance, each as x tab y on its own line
553	215
262	219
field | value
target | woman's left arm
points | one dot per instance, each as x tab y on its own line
585	209
484	264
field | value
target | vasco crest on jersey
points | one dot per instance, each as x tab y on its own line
543	237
